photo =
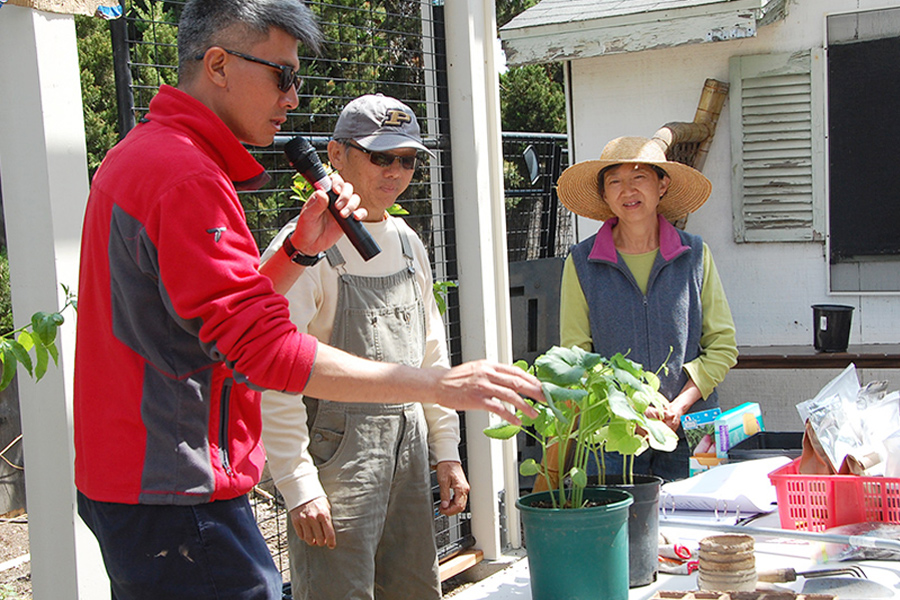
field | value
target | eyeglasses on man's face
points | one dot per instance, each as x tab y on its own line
287	77
385	160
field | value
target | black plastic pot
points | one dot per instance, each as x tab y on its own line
643	527
831	327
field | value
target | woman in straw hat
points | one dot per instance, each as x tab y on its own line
640	286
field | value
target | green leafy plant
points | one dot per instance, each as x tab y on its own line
6	318
440	289
38	337
8	592
595	404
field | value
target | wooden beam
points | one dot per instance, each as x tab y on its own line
459	563
870	356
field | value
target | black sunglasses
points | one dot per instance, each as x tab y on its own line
287	78
384	160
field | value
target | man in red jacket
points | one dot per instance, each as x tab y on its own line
178	329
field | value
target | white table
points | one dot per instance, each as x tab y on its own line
513	582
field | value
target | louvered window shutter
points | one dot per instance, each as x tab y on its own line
778	147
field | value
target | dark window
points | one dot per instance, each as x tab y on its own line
864	161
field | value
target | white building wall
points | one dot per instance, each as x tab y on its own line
770	286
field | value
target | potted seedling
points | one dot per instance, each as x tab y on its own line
593	404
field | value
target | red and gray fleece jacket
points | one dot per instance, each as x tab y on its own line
177	330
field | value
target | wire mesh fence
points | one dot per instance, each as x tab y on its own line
537	225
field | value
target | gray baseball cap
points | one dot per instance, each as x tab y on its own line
378	122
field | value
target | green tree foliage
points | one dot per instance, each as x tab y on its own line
531	96
359	57
153	64
532	99
98	88
370	47
6	318
507	9
156	63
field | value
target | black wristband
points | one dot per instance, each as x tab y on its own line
298	257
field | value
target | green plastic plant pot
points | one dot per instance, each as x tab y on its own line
581	553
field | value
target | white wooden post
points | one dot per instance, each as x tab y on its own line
43	173
477	156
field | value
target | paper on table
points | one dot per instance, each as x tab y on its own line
733	487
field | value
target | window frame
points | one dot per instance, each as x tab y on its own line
872	274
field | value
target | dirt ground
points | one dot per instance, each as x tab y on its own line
15	583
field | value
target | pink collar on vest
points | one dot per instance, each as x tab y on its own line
604	248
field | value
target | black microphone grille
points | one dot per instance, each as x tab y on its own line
302	156
297	147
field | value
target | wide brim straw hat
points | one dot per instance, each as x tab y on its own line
579	188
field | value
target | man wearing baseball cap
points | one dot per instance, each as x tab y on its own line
356	477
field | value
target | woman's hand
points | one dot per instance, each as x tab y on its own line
678	407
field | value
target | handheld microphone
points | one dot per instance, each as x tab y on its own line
302	156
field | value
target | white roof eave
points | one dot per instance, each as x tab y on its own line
586	36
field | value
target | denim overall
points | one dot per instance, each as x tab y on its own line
372	458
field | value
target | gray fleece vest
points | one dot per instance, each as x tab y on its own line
625	320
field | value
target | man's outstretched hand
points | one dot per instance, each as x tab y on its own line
489	386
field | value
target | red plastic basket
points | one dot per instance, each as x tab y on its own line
818	502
